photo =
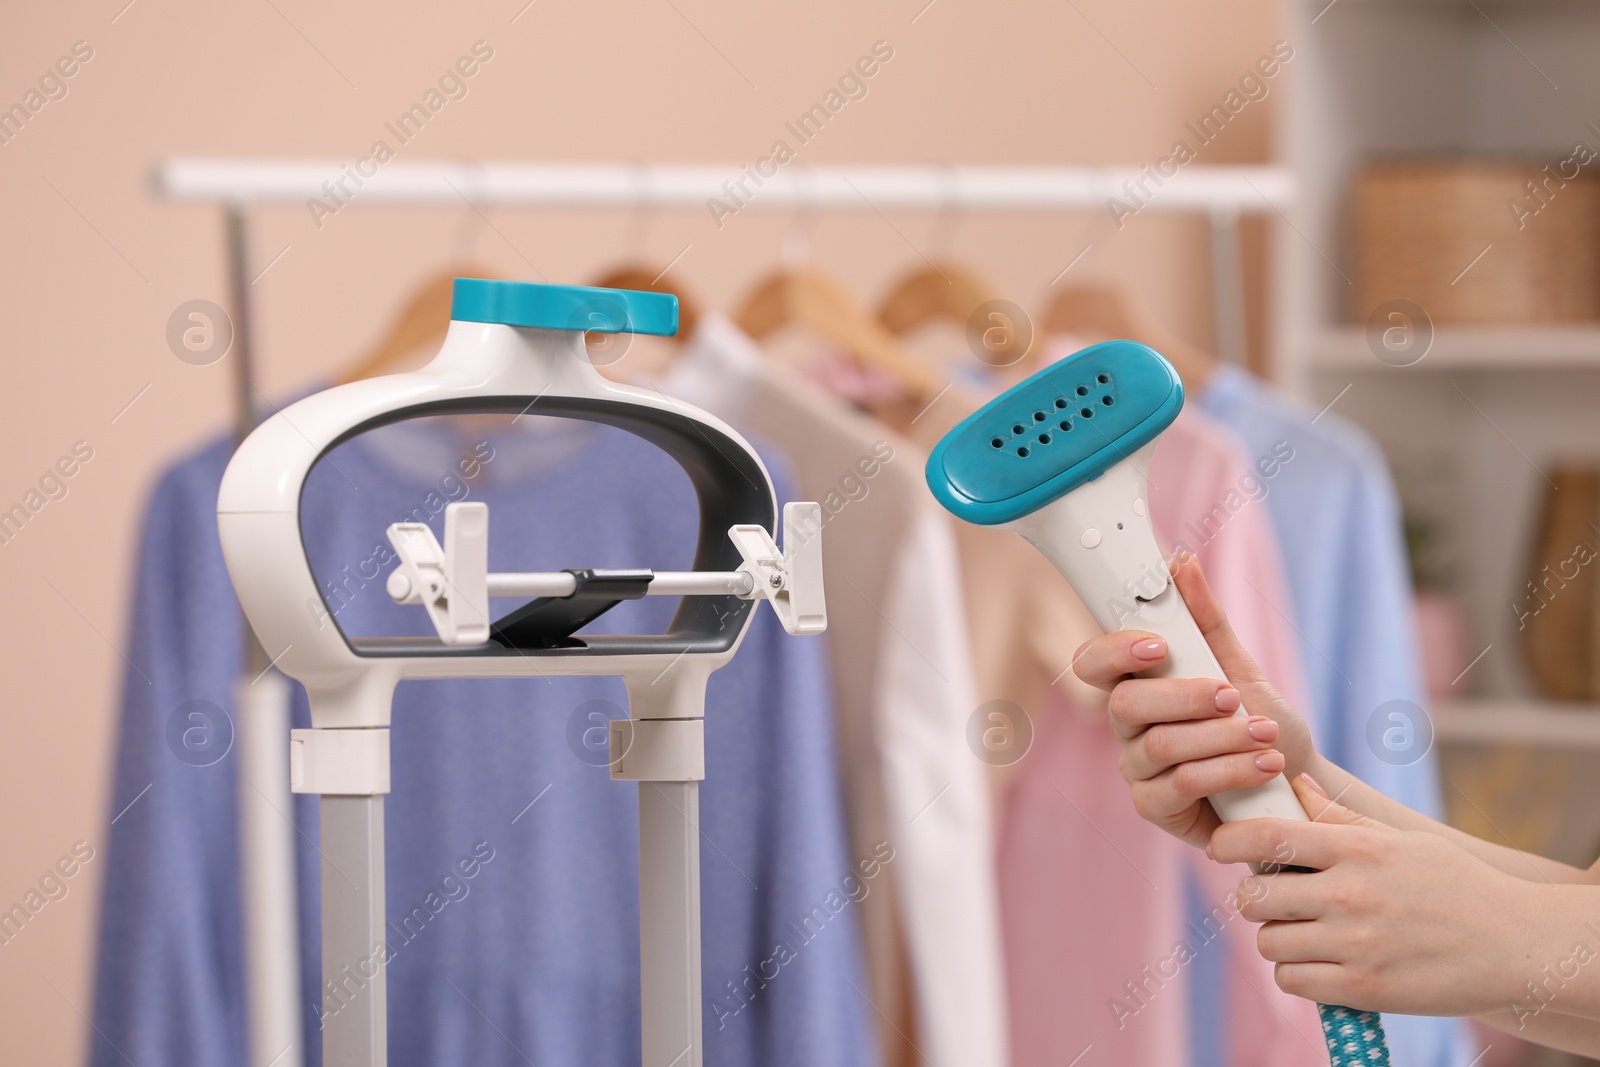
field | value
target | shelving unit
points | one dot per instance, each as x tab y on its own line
1346	350
1518	722
1489	409
1492	408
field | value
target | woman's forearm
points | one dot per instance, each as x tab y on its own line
1554	970
1357	795
1565	1032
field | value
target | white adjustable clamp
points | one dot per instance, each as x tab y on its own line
791	580
452	582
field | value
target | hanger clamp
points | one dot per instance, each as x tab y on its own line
452	581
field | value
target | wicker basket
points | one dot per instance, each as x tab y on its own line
1559	608
1422	229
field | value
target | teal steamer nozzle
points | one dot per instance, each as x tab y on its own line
1063	459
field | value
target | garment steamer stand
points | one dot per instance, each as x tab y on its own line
513	348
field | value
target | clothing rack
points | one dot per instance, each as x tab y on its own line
1223	195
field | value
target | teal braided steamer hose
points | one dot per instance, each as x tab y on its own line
1354	1037
1061	458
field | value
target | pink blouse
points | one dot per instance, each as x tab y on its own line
1092	903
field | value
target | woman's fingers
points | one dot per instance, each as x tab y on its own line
1324	809
1179	787
1293	942
1187	820
1139	703
1286	896
1168	744
1302	844
1105	661
1325	983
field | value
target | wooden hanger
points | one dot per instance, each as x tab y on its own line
938	292
804	296
950	293
645	278
422	321
1099	312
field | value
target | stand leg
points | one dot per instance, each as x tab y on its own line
355	1019
267	864
669	922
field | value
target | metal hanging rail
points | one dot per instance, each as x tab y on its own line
1192	190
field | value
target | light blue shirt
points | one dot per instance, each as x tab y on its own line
1338	521
535	957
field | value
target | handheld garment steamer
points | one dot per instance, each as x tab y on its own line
513	348
1063	459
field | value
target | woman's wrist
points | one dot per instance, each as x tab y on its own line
1549	948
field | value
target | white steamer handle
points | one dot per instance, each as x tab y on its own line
1099	537
1189	656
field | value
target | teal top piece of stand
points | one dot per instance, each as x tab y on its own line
564	307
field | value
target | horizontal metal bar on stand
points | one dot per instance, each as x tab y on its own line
665	583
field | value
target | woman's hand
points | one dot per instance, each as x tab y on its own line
1181	741
1397	920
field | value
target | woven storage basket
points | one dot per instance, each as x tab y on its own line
1561	612
1420	225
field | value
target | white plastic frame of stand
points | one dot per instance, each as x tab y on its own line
496	366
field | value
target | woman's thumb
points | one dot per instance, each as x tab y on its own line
1315	800
1208	615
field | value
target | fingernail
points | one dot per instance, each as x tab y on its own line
1270	762
1153	648
1262	728
1312	782
1227	699
1209	854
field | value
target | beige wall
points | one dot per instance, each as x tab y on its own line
94	263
